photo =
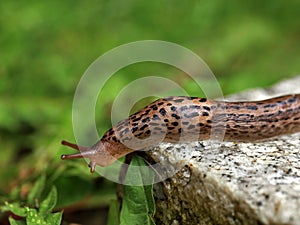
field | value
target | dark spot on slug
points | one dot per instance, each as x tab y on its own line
230	114
146	120
176	116
162	111
144	127
111	132
206	108
202	100
174	124
136	119
178	100
291	100
244	114
279	112
222	105
139	134
134	129
195	107
191	127
205	114
191	115
155	117
252	107
146	112
115	138
270	105
237	107
173	108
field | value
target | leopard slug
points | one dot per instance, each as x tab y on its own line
176	119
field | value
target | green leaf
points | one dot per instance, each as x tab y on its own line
138	205
54	218
12	221
49	203
113	213
33	218
37	189
15	208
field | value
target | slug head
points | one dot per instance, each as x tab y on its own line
97	154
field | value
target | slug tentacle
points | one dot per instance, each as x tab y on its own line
180	118
82	154
75	146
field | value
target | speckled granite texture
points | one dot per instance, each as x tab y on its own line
232	183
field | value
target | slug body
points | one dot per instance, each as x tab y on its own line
182	119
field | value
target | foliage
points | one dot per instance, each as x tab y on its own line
138	204
36	210
114	213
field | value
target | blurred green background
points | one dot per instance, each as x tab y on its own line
47	45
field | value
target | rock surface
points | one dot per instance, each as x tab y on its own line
232	183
